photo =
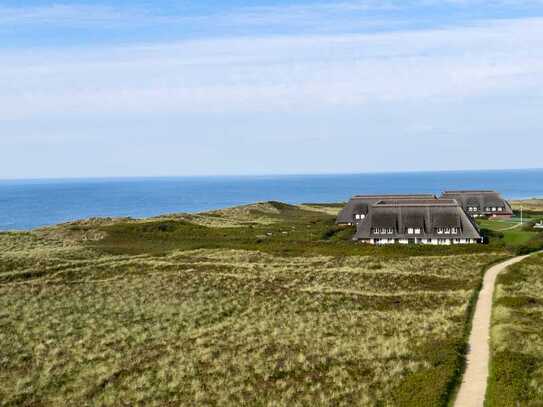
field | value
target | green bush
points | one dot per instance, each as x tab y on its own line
330	232
509	381
432	386
533	245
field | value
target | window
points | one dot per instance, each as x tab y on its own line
447	231
410	231
500	209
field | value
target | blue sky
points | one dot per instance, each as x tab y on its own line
129	88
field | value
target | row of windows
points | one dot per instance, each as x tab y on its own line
488	209
447	231
383	231
427	241
417	231
360	216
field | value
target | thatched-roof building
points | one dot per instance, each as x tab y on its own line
417	221
358	207
481	203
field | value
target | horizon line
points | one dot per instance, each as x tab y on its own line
256	175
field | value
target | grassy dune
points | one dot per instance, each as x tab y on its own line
259	305
530	205
517	337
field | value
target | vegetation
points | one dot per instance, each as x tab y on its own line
262	304
517	338
530	206
515	237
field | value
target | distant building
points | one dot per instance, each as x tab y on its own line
481	203
417	221
358	207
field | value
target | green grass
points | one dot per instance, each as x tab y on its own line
291	231
497	225
518	237
516	376
519	240
261	305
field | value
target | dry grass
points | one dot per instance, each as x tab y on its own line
330	210
534	204
517	336
227	327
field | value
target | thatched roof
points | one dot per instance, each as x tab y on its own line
481	200
426	215
360	204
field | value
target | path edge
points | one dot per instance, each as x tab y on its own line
490	341
454	384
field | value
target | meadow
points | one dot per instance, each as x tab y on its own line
267	304
517	237
534	205
516	376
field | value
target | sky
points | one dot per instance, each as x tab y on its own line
229	87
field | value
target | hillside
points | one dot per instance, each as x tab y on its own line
534	205
267	303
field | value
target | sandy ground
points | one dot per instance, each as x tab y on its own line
473	388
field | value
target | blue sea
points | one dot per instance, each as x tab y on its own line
29	204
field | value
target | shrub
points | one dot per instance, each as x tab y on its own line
491	236
509	381
533	245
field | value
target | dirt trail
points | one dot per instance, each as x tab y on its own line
473	388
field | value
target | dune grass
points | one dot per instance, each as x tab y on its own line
517	337
534	205
284	310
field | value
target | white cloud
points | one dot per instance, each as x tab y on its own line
281	73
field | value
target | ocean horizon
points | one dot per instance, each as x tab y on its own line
33	203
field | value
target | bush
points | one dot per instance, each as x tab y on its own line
509	381
433	386
533	245
338	233
492	237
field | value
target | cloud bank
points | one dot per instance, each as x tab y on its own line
285	73
394	95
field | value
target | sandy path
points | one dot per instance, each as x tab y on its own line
473	388
510	228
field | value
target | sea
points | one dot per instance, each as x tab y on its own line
29	204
